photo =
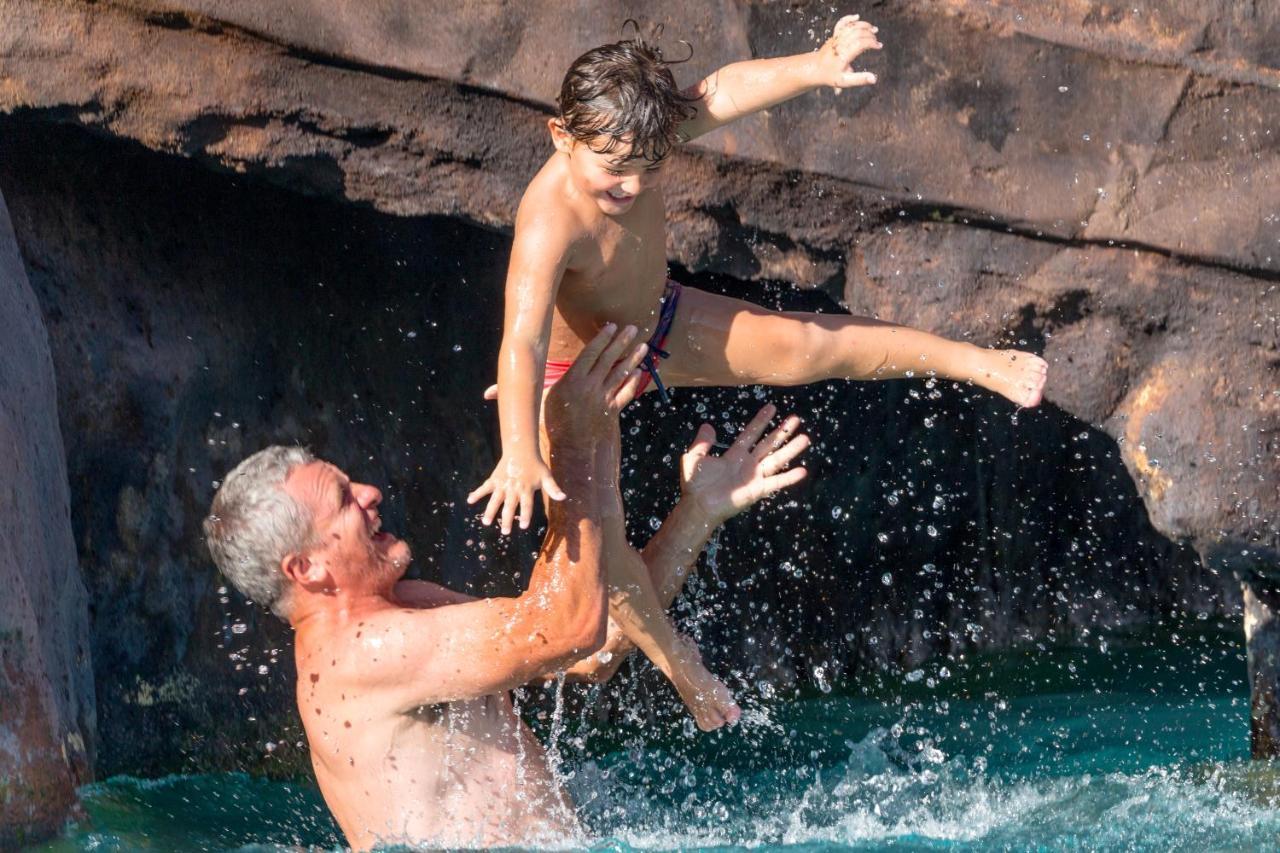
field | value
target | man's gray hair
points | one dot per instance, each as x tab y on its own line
254	524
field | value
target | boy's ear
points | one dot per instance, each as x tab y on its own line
559	136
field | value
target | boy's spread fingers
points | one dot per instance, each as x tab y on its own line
551	489
526	510
491	511
508	514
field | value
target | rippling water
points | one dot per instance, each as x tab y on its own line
1123	747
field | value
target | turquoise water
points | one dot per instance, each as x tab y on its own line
1119	746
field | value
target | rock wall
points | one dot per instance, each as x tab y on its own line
239	239
46	686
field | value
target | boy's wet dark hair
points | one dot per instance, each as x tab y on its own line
624	93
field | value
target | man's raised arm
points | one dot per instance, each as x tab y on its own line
713	490
493	644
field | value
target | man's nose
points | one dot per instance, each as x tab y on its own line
367	496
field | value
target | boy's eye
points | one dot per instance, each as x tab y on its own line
615	172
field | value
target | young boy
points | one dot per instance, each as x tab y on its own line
590	248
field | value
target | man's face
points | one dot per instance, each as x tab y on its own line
613	180
348	528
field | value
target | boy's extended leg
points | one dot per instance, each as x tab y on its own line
634	606
718	340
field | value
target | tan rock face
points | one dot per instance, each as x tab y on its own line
46	687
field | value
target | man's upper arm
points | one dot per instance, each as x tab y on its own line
455	651
414	593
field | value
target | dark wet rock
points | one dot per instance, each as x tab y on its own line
46	686
1096	184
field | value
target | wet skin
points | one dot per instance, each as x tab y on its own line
402	685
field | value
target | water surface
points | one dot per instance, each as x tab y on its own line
1118	746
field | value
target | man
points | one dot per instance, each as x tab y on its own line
403	685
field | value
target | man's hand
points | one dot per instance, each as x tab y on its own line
850	38
751	469
598	385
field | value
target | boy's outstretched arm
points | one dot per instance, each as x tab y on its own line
539	256
745	87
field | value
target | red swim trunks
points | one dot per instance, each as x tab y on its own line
666	316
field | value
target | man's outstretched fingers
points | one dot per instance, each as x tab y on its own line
786	479
627	391
595	346
778	437
784	455
702	442
622	368
609	356
752	431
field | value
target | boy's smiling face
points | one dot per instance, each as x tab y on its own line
613	180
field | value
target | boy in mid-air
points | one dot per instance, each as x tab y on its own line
590	249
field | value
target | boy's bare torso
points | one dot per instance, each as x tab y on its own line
463	773
616	268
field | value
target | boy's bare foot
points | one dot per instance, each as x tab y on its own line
1018	376
706	697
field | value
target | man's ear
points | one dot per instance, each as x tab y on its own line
559	136
307	573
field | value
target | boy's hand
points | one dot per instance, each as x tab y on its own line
849	40
511	487
723	486
602	380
